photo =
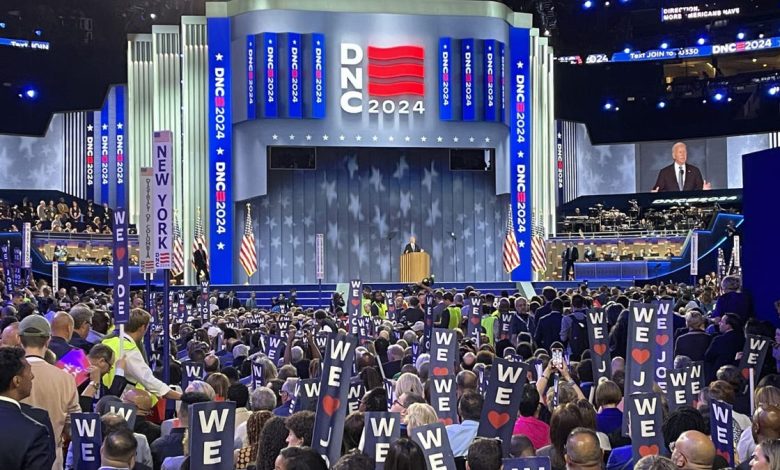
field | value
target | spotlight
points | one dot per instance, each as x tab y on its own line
761	36
664	45
608	106
701	41
729	99
773	91
587	4
718	96
755	60
704	101
627	50
547	32
153	16
2	25
29	93
740	35
606	4
661	104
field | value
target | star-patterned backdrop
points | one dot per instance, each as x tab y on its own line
33	162
357	198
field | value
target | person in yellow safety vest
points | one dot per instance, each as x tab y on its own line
366	301
450	315
379	306
137	371
489	318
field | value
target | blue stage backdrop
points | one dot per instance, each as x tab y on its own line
760	230
357	197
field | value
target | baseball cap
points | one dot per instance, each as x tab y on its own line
35	325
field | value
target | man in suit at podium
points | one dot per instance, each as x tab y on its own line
412	246
680	175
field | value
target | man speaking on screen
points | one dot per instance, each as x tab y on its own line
680	175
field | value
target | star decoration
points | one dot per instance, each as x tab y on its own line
275	137
439	139
220	246
218	56
374	138
89	127
308	136
325	137
220	151
407	138
358	138
292	136
471	139
455	139
519	64
522	244
423	139
341	137
119	125
487	140
105	127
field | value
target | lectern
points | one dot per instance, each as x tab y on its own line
415	267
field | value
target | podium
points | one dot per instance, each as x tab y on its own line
415	267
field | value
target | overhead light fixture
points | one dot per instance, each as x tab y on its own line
701	41
664	45
661	104
588	4
740	35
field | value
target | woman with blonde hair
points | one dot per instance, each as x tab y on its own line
766	456
420	414
767	395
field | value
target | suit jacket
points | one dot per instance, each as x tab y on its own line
667	179
412	249
571	254
25	444
199	258
722	351
548	330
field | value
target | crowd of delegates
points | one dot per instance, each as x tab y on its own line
579	429
60	217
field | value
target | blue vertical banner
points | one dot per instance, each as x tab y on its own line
445	81
104	180
468	101
318	81
212	425
89	151
520	146
294	97
121	278
220	152
559	164
270	75
119	136
251	83
502	79
490	67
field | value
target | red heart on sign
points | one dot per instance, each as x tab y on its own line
640	355
661	339
498	419
600	349
746	373
120	253
724	454
648	450
475	320
330	404
355	302
448	421
437	371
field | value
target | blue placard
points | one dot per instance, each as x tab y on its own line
220	152
119	100
318	76
520	147
251	80
527	463
87	439
502	79
294	95
212	425
121	270
468	95
445	79
104	179
89	151
270	56
490	66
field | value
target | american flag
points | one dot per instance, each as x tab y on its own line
538	247
199	238
178	250
247	255
511	252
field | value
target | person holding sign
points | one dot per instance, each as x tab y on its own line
137	371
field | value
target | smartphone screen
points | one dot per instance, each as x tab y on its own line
557	358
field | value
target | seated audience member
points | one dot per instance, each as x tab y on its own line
420	414
766	395
564	419
112	422
273	438
766	456
484	454
299	458
247	454
655	462
171	445
262	399
118	450
404	454
300	426
354	460
583	451
521	446
143	403
528	422
609	417
462	435
693	450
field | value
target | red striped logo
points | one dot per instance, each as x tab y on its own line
396	71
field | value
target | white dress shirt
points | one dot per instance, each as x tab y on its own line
138	371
